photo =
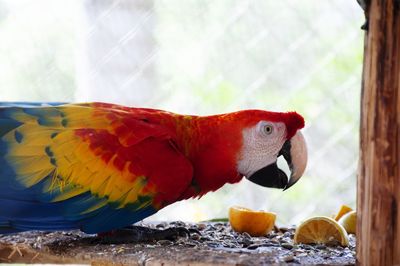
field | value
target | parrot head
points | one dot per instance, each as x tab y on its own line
227	147
267	136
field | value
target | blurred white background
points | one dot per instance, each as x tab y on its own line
204	57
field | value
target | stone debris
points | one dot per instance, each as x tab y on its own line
216	239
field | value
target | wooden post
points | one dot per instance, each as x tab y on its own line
378	207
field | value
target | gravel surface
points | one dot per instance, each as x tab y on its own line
217	244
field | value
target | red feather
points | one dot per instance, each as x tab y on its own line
166	142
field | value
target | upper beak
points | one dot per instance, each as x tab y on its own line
295	153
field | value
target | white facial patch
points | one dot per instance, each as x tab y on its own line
261	145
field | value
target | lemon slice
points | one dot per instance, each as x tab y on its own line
321	230
349	222
255	223
343	210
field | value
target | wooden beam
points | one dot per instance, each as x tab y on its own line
378	194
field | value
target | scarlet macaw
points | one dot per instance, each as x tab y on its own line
99	167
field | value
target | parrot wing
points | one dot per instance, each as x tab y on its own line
84	166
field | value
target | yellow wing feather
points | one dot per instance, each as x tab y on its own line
49	148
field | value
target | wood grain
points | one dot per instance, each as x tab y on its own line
378	196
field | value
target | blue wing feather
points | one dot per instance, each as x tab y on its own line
30	104
31	208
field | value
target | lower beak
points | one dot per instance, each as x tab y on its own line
295	153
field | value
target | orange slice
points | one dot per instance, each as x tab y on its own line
255	223
349	222
321	230
343	210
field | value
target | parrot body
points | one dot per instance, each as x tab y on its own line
98	167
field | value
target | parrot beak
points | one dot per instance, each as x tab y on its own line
295	153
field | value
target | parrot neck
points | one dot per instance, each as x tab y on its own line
212	145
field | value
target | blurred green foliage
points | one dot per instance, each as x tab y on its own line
36	51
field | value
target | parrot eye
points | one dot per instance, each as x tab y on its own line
266	129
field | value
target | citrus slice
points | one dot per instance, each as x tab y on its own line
343	210
321	230
255	223
349	222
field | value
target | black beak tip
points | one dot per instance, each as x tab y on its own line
290	183
270	176
286	187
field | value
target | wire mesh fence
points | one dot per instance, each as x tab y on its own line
204	57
